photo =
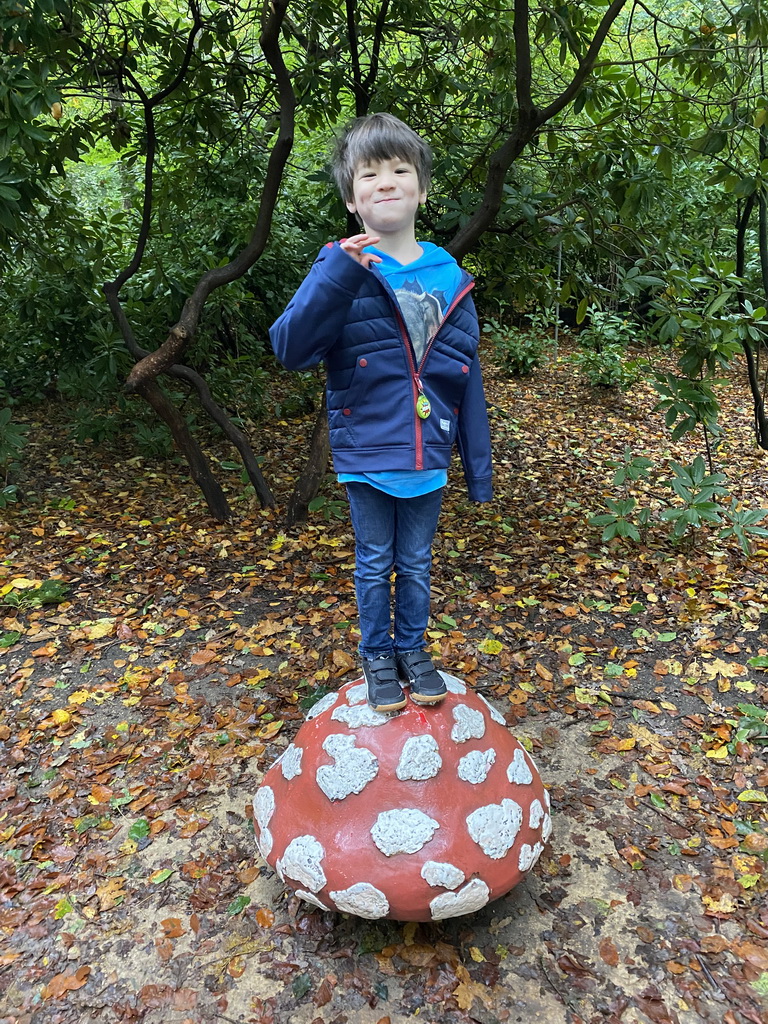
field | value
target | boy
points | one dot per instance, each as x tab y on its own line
395	323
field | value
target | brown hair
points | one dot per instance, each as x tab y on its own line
378	137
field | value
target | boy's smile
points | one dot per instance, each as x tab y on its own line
386	196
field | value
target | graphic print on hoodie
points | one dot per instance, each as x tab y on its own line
424	290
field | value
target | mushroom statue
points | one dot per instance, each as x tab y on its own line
419	815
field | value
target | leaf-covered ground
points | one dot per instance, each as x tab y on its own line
154	663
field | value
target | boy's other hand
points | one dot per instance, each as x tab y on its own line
354	247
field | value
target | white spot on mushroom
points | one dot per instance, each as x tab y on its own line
442	874
470	724
290	761
452	684
264	806
357	694
404	830
354	767
495	715
322	705
536	814
546	828
528	856
302	861
362	899
473	896
265	842
263	809
547	800
475	765
518	770
420	759
310	898
495	827
358	716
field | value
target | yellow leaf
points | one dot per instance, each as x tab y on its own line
753	796
270	729
719	754
745	685
718	667
79	697
21	583
261	673
490	646
626	744
408	932
99	629
61	716
476	955
584	696
724	905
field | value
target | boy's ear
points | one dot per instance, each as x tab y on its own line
350	204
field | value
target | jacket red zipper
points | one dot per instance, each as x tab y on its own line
416	370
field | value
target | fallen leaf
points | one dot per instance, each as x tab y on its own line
60	984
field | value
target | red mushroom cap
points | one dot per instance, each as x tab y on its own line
420	815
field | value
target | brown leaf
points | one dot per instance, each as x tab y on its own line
264	917
342	662
203	657
247	875
164	949
324	993
110	894
172	927
236	967
60	984
714	944
608	952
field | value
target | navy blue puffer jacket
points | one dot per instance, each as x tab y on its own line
347	315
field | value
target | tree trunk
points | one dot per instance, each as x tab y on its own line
753	369
215	498
315	469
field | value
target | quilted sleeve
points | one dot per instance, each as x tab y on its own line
317	313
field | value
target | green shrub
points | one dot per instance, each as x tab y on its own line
602	353
12	441
609	367
519	350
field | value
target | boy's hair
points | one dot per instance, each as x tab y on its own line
378	137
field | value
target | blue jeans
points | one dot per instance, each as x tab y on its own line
392	534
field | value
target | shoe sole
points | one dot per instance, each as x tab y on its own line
389	707
419	698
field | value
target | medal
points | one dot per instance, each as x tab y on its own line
423	408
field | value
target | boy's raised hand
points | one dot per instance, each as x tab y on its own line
354	247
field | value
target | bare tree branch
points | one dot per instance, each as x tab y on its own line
183	331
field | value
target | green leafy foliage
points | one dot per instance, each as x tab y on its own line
694	501
602	353
519	350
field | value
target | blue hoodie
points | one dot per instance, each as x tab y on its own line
348	316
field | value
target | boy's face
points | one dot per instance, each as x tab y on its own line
387	195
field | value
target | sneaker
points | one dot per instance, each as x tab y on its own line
384	690
415	668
